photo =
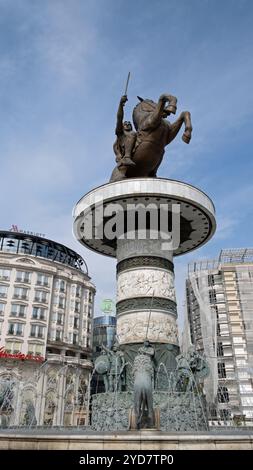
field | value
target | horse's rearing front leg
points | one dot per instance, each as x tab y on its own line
175	127
186	137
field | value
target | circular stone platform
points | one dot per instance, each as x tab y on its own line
197	213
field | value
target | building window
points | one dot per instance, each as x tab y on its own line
35	349
212	297
220	351
18	310
59	319
75	337
10	245
13	347
40	296
58	335
221	370
220	297
33	330
61	302
39	313
225	414
2	307
37	331
3	291
5	274
90	311
85	294
85	308
223	396
42	280
76	322
90	296
78	291
41	330
20	293
60	284
77	307
23	276
15	329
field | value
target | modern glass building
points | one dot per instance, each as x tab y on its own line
104	331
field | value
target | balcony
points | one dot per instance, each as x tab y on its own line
58	358
38	318
25	280
15	333
20	296
18	315
42	300
43	284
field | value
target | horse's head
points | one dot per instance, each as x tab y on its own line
142	110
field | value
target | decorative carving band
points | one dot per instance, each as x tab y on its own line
145	261
146	282
157	327
144	303
138	247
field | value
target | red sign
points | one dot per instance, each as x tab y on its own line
15	228
20	356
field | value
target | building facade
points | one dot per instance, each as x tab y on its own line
219	295
46	315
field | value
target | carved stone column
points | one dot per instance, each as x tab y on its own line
146	301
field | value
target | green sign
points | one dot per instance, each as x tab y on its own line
107	306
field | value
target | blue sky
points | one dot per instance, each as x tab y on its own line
63	67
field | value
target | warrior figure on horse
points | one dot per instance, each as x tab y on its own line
140	153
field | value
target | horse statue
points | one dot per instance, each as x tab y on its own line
192	369
143	371
153	133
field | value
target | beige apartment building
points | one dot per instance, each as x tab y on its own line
219	295
46	314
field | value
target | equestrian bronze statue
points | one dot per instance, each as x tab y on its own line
139	154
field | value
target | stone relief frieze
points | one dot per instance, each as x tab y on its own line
146	282
159	328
